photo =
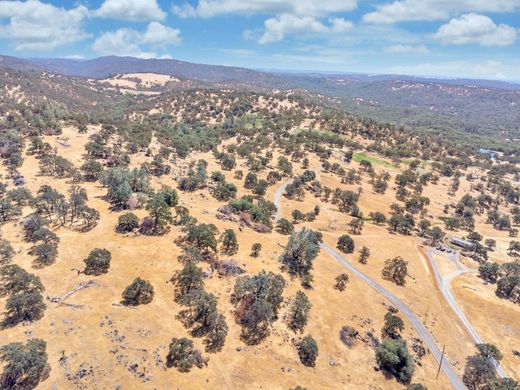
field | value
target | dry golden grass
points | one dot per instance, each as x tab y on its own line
127	346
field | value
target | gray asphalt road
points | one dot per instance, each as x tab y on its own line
278	199
444	284
407	312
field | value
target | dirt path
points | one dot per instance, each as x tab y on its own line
405	309
444	286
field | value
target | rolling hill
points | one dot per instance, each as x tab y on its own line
455	108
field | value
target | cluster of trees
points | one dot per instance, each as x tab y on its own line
201	312
45	242
196	177
295	189
299	216
480	372
131	189
56	166
506	276
25	365
223	191
12	142
392	354
51	203
259	209
24	295
126	189
258	187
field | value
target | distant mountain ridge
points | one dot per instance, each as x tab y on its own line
104	67
483	107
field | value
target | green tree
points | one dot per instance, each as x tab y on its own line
479	371
6	251
25	306
139	292
341	282
202	236
45	253
189	279
229	242
489	272
393	357
255	249
170	196
393	326
377	217
250	181
364	254
284	226
159	213
127	223
183	355
257	299
300	252
25	365
396	270
308	351
216	336
345	244
489	351
490	244
225	191
16	280
356	225
91	170
299	312
97	262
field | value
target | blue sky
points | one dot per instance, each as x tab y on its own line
459	38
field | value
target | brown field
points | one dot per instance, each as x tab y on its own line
103	344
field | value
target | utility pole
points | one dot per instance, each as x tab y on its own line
440	362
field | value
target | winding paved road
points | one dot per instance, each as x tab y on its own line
405	309
444	284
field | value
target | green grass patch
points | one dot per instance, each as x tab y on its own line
358	156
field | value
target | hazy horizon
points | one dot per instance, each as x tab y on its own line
456	39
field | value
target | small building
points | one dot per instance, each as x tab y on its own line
462	243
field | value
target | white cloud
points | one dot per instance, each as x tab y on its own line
476	29
407	49
276	28
129	42
158	35
131	10
38	26
210	8
413	10
289	16
490	69
340	25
